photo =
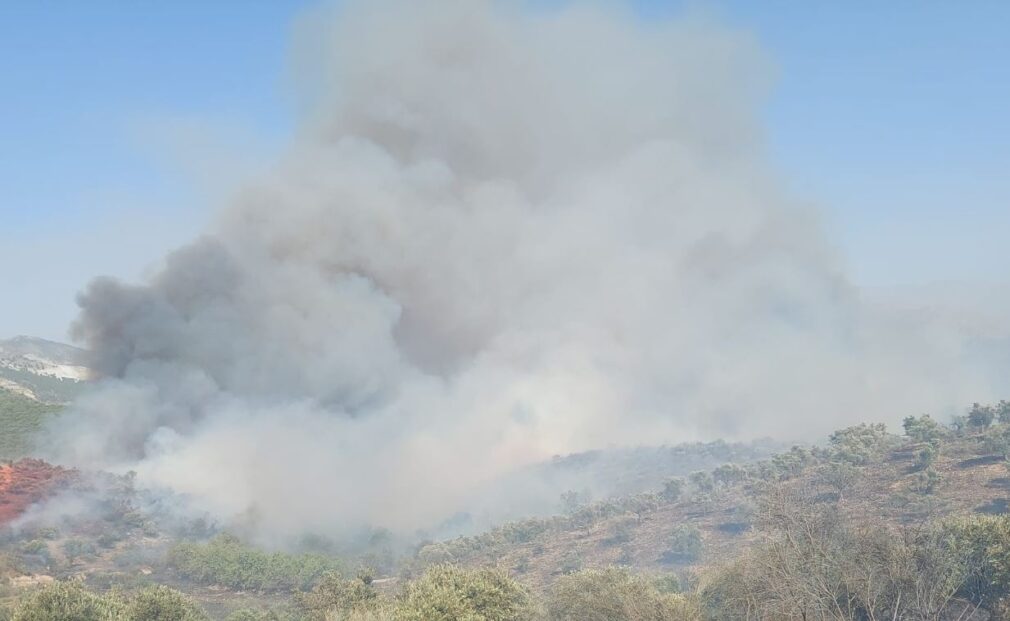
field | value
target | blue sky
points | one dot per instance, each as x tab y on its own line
891	116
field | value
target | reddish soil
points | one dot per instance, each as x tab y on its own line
25	482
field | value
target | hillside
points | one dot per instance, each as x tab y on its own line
20	418
688	531
708	518
42	370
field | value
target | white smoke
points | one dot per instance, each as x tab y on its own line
498	235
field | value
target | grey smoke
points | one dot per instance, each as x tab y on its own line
498	235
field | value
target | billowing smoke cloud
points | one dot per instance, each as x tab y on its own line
498	235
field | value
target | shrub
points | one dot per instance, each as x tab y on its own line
927	480
1003	412
702	481
791	463
450	593
249	614
74	549
841	476
984	541
337	595
667	583
684	545
672	489
729	474
620	530
160	603
859	444
572	501
997	440
226	561
614	594
70	601
923	429
981	416
926	456
64	601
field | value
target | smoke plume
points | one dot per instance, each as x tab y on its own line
498	234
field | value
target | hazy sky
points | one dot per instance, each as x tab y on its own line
123	122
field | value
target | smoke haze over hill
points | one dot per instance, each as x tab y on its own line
498	235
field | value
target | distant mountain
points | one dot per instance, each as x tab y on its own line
42	370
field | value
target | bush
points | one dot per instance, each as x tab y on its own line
65	601
923	429
861	443
702	481
615	595
729	474
336	595
249	614
927	480
226	561
620	530
684	545
1003	412
981	416
672	489
160	603
813	564
984	541
926	456
74	549
450	593
70	601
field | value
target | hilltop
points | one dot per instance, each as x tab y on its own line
41	370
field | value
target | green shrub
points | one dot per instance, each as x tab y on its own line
160	603
248	614
614	594
926	481
672	489
75	549
1003	412
336	595
984	541
702	481
729	474
923	429
861	443
69	601
620	530
981	416
450	593
226	561
684	545
926	456
20	419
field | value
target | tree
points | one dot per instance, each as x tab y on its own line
923	429
702	481
729	474
981	416
1003	412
